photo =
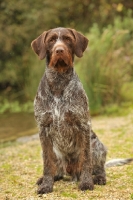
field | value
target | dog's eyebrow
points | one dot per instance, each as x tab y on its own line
53	35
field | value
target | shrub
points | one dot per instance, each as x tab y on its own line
106	70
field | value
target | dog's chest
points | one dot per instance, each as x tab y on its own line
63	134
63	111
57	109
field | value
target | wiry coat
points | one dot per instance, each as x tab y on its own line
63	118
61	110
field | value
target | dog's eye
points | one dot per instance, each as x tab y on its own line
53	39
66	38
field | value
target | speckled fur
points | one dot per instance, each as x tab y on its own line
61	110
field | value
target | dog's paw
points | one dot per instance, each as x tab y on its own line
86	184
45	185
99	180
39	181
44	188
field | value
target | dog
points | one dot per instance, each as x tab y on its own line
68	142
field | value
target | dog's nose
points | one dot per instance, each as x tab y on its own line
59	50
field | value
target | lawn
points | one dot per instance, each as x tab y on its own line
21	165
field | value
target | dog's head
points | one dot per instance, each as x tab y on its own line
59	46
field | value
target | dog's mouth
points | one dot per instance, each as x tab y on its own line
61	63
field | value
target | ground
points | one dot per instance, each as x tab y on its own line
21	165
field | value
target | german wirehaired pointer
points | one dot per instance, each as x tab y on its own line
61	110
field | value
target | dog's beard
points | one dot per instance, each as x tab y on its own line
60	61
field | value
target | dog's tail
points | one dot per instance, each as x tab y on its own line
118	162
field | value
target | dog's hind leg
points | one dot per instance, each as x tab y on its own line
98	160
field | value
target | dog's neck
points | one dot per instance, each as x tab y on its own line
58	81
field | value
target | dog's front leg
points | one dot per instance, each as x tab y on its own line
49	168
86	180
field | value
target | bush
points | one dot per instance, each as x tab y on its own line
106	70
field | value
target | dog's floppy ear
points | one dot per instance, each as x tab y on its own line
38	45
81	43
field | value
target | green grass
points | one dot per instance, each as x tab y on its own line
16	106
21	165
68	194
132	196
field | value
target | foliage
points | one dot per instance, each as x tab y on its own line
16	106
107	66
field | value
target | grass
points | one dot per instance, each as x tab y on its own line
21	165
16	106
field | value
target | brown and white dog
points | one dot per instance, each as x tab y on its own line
61	110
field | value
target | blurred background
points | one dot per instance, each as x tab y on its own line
106	69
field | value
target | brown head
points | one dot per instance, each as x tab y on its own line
59	46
